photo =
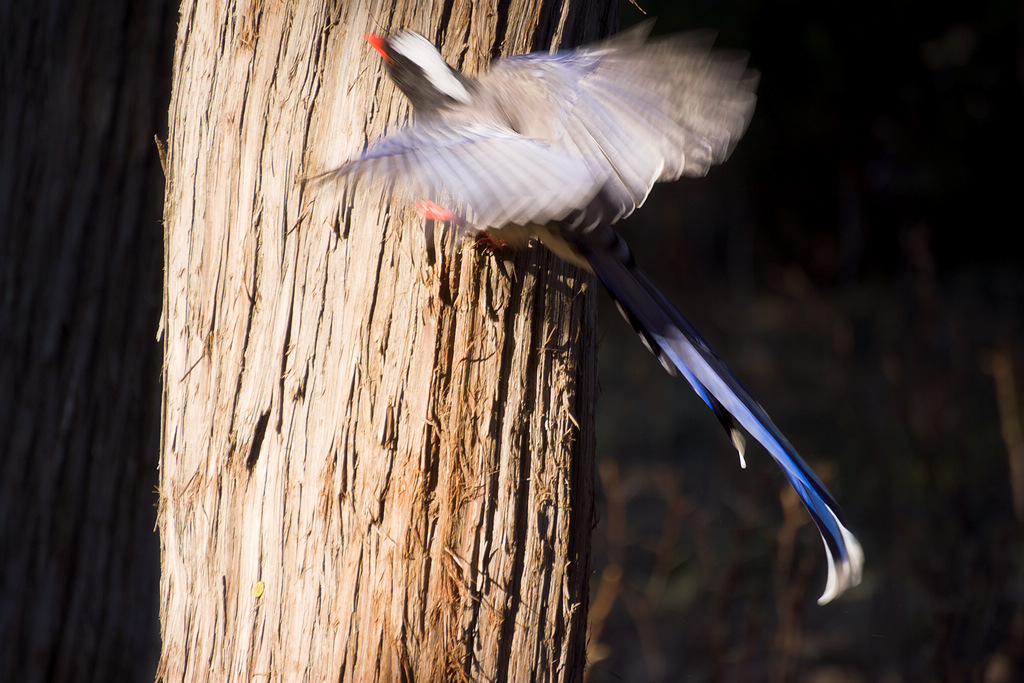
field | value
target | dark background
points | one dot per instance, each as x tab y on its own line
857	264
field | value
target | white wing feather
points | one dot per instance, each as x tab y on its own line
495	177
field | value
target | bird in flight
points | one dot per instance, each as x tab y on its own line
561	146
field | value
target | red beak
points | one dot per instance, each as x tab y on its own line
379	45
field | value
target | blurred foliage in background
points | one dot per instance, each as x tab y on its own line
857	264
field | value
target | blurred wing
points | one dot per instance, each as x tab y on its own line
644	112
494	177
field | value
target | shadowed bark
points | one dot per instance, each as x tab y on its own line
85	90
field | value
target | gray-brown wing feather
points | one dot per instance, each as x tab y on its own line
639	113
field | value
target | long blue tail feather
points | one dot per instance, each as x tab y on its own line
680	348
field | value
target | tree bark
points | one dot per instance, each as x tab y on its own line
372	467
85	86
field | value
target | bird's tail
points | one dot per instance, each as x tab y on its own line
680	348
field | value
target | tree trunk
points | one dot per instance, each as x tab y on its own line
372	467
85	87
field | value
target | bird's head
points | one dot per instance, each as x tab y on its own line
420	71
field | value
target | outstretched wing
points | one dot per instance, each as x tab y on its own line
639	112
493	177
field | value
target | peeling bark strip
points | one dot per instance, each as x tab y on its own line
372	468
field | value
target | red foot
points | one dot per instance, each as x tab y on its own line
433	212
485	240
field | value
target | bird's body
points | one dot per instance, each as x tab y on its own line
561	146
